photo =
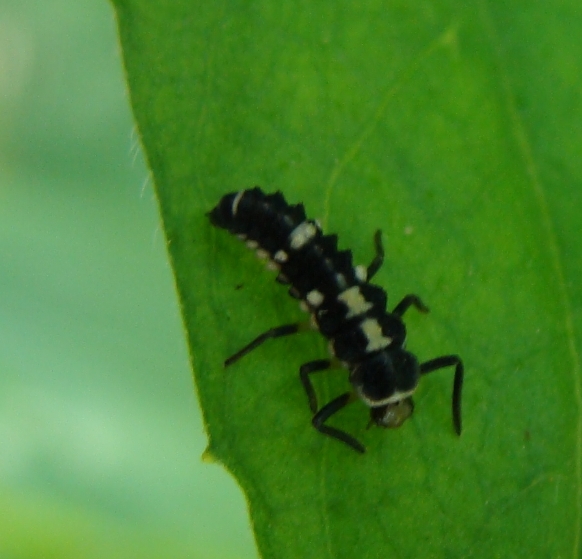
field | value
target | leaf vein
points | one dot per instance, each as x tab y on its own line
444	39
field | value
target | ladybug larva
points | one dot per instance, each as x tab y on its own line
345	307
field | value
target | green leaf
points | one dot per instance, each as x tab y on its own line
453	126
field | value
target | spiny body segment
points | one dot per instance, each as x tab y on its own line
348	310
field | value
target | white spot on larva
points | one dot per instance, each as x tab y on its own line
361	273
392	399
373	332
273	266
236	201
281	256
354	300
252	244
408	230
315	298
302	234
262	254
241	236
303	306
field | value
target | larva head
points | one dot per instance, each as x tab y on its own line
392	415
385	382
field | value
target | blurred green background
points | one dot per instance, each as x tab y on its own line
100	431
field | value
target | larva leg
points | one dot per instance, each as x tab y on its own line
304	372
441	363
410	301
327	411
378	258
278	332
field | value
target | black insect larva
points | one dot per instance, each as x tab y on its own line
348	310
